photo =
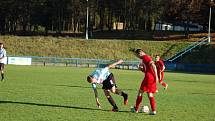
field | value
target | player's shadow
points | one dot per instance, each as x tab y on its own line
75	86
52	105
46	105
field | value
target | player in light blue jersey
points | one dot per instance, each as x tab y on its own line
106	78
2	60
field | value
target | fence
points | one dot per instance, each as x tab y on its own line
78	62
200	68
130	65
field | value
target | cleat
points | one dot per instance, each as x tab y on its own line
153	113
115	110
165	88
133	110
126	99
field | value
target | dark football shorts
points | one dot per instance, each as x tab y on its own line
108	83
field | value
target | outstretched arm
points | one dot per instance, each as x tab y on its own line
96	95
116	63
97	99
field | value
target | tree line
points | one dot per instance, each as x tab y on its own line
70	15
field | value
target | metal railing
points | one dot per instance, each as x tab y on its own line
202	41
78	62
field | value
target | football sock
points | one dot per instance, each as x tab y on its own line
112	102
2	76
124	94
138	101
163	84
119	92
152	103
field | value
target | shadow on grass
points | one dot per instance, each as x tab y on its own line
189	81
203	94
52	105
75	86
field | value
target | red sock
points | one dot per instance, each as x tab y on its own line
138	101
152	103
163	84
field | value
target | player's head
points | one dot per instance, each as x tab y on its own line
91	79
157	57
138	52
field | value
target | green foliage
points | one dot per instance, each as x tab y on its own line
35	93
70	15
80	48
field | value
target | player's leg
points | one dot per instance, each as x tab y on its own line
138	101
110	99
152	103
2	71
121	93
115	90
164	84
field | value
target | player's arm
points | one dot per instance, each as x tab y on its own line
114	64
4	55
141	67
162	66
152	64
96	95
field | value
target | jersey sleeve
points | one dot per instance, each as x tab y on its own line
161	63
146	59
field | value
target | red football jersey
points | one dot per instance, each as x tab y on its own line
159	64
149	83
146	60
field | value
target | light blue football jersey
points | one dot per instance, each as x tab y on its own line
2	54
101	74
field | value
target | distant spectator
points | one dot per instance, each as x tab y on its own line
2	60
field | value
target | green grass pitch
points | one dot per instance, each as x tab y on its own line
36	93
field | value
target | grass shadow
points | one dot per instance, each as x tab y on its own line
209	94
54	106
76	86
189	81
73	86
46	105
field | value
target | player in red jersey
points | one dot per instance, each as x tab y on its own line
148	84
160	70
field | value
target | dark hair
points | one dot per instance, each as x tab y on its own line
1	43
89	78
136	51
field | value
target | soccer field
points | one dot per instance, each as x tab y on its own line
36	93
